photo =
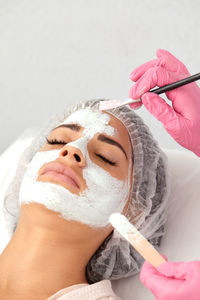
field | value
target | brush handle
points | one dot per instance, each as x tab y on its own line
176	84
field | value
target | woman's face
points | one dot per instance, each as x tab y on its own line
84	170
111	153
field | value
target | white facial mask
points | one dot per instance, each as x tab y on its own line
93	122
104	194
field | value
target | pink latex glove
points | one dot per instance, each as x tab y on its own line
182	120
173	280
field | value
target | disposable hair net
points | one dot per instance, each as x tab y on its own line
115	258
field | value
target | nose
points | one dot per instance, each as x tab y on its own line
73	154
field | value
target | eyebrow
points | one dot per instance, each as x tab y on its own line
101	137
74	127
105	139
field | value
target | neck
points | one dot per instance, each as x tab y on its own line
40	258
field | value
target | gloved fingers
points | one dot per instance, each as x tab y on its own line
178	270
166	60
162	61
164	256
151	278
136	105
171	62
174	123
139	71
195	269
163	52
158	107
157	76
147	271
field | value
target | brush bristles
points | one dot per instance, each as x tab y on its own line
105	105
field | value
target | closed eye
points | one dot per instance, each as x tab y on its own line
56	142
113	163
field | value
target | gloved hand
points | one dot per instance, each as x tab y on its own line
173	280
182	120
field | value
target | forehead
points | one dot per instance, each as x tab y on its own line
94	121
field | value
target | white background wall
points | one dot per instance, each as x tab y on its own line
54	53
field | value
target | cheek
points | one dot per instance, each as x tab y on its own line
41	158
118	172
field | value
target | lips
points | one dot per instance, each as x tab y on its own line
61	172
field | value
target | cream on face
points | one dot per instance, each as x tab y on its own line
103	195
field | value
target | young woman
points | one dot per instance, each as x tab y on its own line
83	166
